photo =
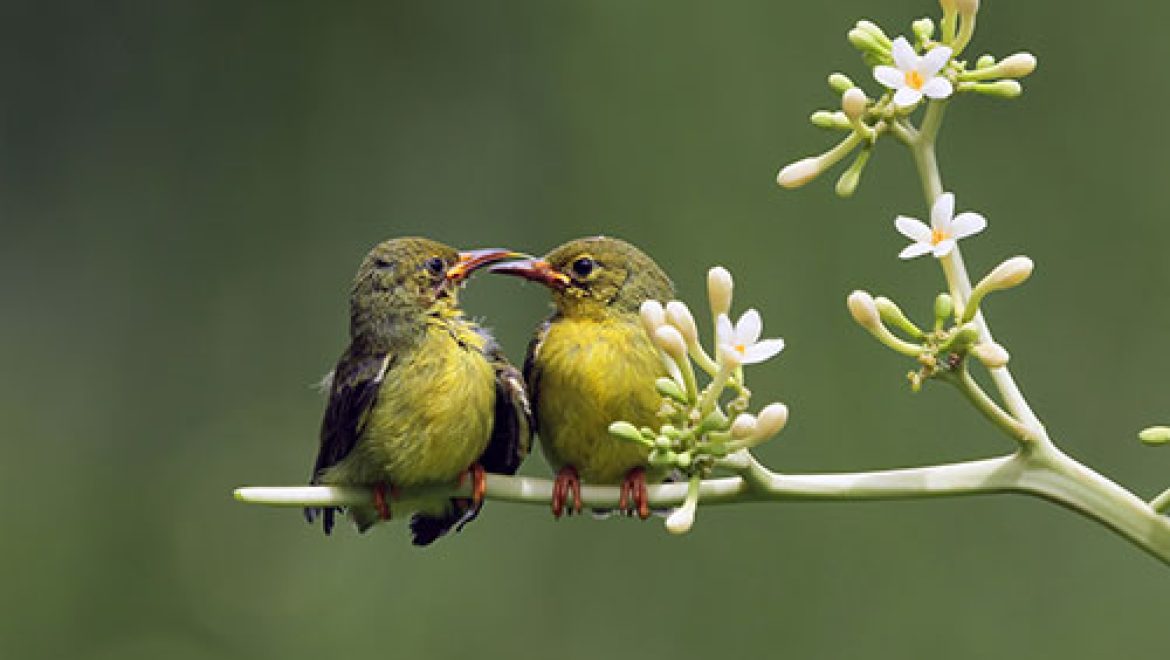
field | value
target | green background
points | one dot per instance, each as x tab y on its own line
187	187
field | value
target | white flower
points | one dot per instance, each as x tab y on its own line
914	75
946	228
743	340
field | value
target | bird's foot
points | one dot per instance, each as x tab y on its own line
478	482
567	483
634	497
381	502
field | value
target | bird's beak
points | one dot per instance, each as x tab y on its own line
536	270
472	260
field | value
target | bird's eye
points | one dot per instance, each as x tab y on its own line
435	265
382	264
583	266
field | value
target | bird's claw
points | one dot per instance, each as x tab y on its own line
566	484
634	498
478	482
381	502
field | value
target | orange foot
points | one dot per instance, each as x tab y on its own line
380	501
567	483
478	483
634	498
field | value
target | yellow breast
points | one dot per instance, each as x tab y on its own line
591	373
434	412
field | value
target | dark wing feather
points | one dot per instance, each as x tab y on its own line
532	371
356	380
507	447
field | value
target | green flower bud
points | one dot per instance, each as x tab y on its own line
851	177
891	314
663	442
923	29
961	340
668	387
840	82
1155	435
878	35
716	421
944	307
1004	89
628	432
831	120
985	61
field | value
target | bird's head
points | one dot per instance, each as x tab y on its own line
595	276
410	277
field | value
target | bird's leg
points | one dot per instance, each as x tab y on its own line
380	502
634	497
478	483
567	483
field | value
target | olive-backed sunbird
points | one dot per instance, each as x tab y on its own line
592	363
422	395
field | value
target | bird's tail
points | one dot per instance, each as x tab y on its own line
426	529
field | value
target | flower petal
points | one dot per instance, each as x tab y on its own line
889	76
934	60
724	332
937	88
907	97
942	211
944	247
762	351
914	250
749	327
904	56
968	224
912	228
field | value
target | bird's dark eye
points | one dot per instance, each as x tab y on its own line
382	263
435	265
583	266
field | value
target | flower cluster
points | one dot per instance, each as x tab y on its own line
926	66
701	426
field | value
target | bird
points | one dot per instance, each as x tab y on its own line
591	363
421	395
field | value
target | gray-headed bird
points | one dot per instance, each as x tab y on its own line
592	363
422	396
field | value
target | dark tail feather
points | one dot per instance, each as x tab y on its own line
425	530
326	516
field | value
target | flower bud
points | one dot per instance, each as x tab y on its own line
864	310
681	520
840	82
991	354
874	31
653	315
866	43
628	432
1017	65
1004	89
944	307
1010	273
670	340
771	420
830	120
891	314
744	426
719	289
670	388
854	102
1155	435
923	29
985	61
967	8
679	315
795	175
962	340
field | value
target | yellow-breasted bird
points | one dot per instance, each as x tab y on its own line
422	395
592	363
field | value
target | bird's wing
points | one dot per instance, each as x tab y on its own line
532	371
353	391
511	437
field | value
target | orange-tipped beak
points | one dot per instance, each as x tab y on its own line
472	260
536	270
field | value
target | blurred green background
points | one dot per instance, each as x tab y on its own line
187	187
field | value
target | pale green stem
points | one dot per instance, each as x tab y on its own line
986	405
1162	502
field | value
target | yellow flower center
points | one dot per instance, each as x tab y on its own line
937	236
915	79
741	348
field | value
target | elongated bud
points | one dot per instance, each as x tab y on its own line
991	354
771	420
744	426
670	340
1004	89
681	519
875	31
1010	273
719	289
840	82
944	307
1155	435
985	61
628	432
891	314
795	175
962	340
853	103
679	315
668	387
967	8
864	310
653	315
716	421
1017	65
831	120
